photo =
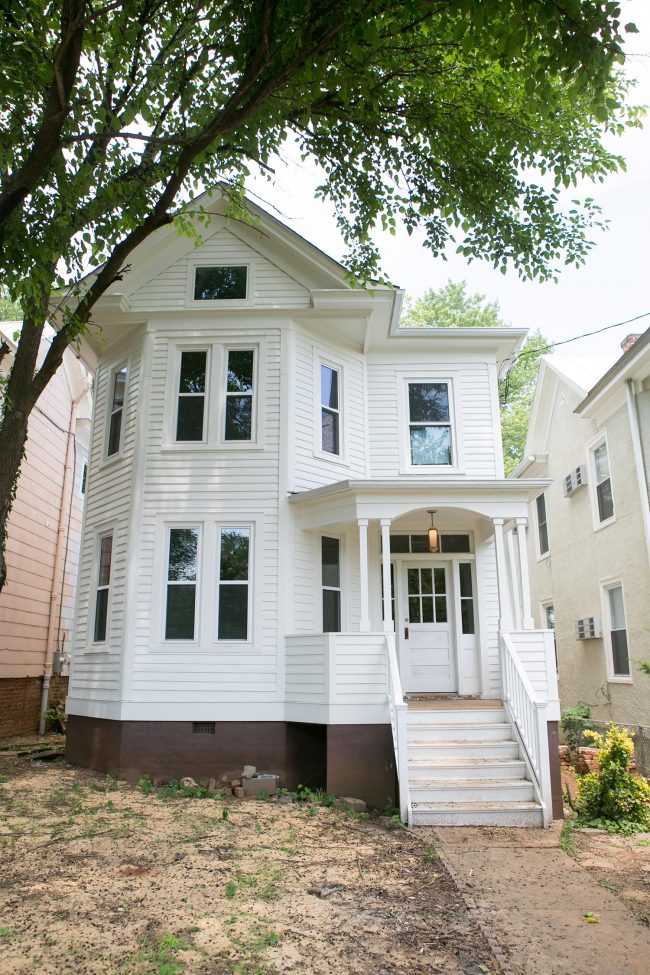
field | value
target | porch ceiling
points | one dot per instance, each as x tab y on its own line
346	501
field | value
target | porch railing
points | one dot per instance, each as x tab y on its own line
399	723
528	714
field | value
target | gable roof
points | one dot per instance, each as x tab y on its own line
633	364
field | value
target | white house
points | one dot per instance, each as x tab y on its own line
590	559
268	445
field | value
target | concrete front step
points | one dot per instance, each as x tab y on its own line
489	731
466	768
433	751
478	814
454	716
479	790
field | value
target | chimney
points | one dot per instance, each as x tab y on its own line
629	341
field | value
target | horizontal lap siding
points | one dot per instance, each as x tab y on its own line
486	572
471	385
218	485
360	670
272	286
311	469
96	675
306	669
531	651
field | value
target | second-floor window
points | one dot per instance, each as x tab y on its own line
429	424
603	482
330	409
103	588
190	417
542	524
239	394
118	387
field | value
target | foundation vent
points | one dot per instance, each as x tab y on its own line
203	728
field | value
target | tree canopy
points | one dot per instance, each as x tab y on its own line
452	306
465	118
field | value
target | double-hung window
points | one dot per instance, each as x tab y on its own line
330	409
603	482
331	584
182	576
190	417
542	524
618	632
118	391
103	588
240	379
430	441
234	584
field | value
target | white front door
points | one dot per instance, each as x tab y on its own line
426	642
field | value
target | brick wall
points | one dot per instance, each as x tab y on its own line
20	702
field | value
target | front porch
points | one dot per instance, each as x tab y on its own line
456	621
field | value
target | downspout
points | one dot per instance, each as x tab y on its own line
58	579
638	460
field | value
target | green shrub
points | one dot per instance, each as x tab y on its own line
613	795
574	723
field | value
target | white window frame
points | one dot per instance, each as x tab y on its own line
180	349
341	587
107	532
541	555
250	528
406	467
605	586
193	302
168	528
338	367
591	467
122	364
253	347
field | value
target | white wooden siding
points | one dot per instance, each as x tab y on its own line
488	606
271	286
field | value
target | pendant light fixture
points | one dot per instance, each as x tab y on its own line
434	536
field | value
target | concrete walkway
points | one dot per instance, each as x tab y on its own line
532	900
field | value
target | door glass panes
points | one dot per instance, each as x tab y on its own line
191	396
419	543
603	483
117	409
454	543
331	584
330	409
234	571
618	632
181	583
220	283
427	598
239	395
466	597
399	543
429	423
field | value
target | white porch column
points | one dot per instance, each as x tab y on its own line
364	621
505	613
513	566
528	621
389	623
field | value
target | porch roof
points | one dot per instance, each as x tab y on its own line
346	501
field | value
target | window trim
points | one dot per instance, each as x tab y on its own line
406	467
115	369
108	532
338	367
538	540
180	350
592	446
229	526
605	586
340	588
226	349
193	302
169	526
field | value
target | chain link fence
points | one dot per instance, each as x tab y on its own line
641	739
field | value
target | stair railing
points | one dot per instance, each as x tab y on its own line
527	714
398	710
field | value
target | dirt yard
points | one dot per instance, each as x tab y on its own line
97	877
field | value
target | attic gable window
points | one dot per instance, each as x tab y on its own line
227	282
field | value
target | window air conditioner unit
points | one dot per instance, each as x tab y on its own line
588	628
576	479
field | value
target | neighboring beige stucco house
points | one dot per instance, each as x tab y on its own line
37	602
590	556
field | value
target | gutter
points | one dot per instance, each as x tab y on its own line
639	465
58	575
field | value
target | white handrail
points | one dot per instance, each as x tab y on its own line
528	715
398	719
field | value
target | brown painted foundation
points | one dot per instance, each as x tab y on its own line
556	772
353	760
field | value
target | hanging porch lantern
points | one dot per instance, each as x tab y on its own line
434	537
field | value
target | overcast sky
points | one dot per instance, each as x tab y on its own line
612	286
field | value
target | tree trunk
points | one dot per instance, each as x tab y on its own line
13	437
